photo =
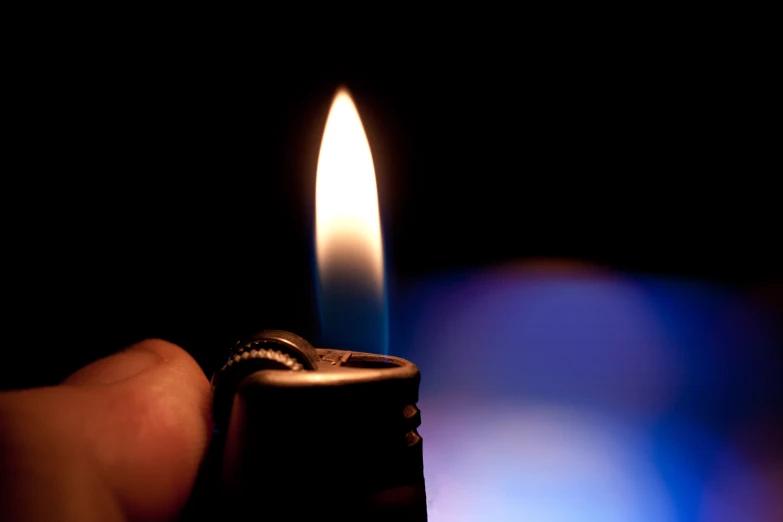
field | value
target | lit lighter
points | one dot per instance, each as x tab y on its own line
319	434
308	433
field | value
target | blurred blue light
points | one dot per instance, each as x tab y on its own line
572	393
537	462
353	318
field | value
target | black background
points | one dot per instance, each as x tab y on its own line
169	190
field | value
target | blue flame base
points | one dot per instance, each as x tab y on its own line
353	319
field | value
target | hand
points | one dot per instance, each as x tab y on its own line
119	440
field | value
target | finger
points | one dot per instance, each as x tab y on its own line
118	366
48	470
136	423
152	429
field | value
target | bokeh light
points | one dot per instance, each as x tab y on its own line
557	391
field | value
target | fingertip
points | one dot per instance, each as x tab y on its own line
178	377
117	366
167	351
135	359
177	373
158	426
177	363
139	420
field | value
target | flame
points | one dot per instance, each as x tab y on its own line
348	225
349	246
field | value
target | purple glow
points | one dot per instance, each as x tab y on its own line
572	393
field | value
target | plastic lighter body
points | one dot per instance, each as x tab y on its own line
305	433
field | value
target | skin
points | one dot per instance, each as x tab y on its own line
119	440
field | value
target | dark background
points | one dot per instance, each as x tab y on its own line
170	191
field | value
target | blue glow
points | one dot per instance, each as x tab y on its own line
543	462
573	393
353	318
351	315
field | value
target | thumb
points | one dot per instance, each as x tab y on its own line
151	425
121	365
138	421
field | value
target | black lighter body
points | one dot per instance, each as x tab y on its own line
306	434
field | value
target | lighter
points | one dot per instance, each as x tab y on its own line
305	433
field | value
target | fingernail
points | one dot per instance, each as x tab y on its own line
117	367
